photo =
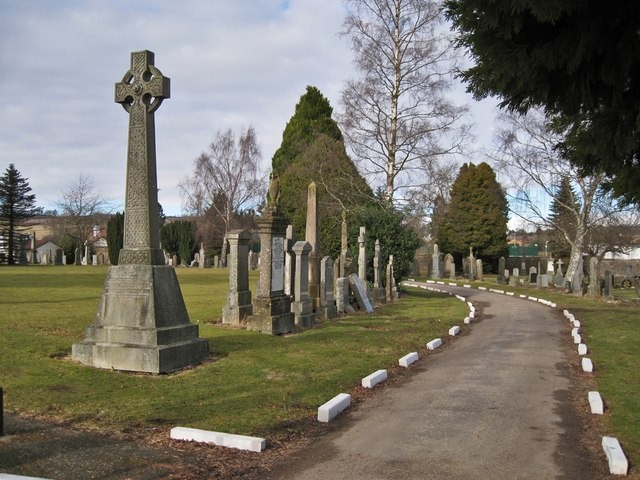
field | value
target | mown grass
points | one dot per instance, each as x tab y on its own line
611	330
257	385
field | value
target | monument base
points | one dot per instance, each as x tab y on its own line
379	296
236	315
142	324
271	315
303	316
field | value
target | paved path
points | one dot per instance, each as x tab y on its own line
493	404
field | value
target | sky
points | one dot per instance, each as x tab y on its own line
232	64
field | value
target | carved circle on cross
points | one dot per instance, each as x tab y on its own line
139	92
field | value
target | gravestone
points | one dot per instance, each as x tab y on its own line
390	287
516	272
543	280
608	283
142	323
479	270
289	261
435	262
327	301
360	292
342	296
550	268
448	265
578	276
238	307
201	260
533	275
302	305
501	269
452	271
345	254
311	236
379	296
362	255
271	307
472	265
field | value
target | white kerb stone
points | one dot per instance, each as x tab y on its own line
575	331
577	338
582	349
482	288
455	330
229	440
375	378
576	324
435	343
408	359
618	464
333	407
595	402
510	294
587	365
467	320
8	476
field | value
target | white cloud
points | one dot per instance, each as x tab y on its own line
231	64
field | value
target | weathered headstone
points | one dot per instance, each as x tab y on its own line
201	261
345	254
271	307
543	280
448	262
379	295
289	261
472	265
238	307
578	276
501	269
302	305
608	283
435	262
362	255
327	301
452	270
390	284
360	293
479	270
533	275
311	236
342	296
550	268
142	322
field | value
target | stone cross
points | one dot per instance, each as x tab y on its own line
141	91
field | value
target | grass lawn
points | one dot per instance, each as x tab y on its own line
258	384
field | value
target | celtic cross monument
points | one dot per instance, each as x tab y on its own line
142	323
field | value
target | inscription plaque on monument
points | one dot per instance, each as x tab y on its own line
277	264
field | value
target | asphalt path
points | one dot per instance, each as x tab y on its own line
493	404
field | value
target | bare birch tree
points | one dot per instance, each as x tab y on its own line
226	178
527	157
82	207
397	120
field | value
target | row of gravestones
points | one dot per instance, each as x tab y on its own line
472	267
296	286
293	300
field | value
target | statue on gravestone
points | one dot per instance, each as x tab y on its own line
142	322
273	196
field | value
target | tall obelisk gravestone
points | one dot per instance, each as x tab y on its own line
142	323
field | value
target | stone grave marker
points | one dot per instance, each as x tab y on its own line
302	305
479	270
142	323
238	307
360	293
379	296
327	301
435	261
271	307
289	261
362	255
501	268
311	236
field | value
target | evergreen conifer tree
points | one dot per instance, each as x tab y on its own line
476	217
312	150
16	205
564	209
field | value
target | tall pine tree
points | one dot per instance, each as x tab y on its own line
563	216
476	217
312	150
16	205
